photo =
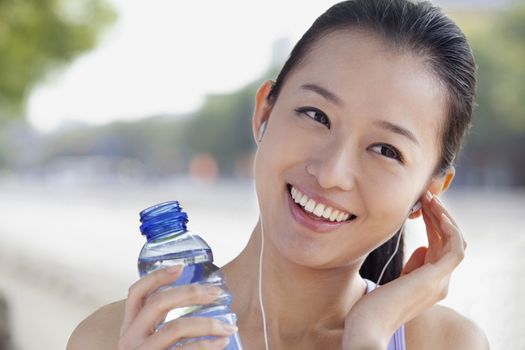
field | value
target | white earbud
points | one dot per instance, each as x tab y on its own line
416	207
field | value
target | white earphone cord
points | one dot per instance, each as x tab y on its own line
260	287
263	315
389	260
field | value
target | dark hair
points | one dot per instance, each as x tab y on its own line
419	28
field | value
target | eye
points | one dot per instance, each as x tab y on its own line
388	151
315	114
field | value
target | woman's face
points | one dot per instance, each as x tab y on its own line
356	128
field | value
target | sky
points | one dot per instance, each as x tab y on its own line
164	56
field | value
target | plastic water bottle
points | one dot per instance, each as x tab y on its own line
170	243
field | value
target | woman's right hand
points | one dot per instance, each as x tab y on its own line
423	282
146	307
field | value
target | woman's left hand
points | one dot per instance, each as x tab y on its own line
423	282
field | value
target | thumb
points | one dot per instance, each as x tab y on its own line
417	259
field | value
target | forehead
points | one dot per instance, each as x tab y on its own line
375	80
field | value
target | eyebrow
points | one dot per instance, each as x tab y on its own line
330	96
397	129
381	123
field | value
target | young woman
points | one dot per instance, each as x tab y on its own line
358	133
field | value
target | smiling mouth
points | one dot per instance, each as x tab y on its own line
318	211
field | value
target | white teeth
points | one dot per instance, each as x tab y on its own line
303	200
334	215
318	209
297	197
327	212
310	205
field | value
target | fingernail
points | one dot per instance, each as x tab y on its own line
213	291
229	328
428	196
174	268
437	200
220	342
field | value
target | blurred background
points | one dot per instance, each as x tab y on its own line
109	106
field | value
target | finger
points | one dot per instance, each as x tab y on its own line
442	206
159	304
144	287
454	235
434	238
455	255
435	241
187	327
218	343
440	210
453	244
436	209
451	221
456	229
416	260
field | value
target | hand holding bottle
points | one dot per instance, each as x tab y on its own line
147	306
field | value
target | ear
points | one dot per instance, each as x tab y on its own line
262	109
437	186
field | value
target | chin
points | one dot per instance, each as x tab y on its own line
303	250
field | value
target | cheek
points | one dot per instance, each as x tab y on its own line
387	200
285	145
274	155
387	197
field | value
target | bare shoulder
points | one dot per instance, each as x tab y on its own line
441	327
100	330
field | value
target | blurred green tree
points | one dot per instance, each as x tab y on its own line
500	54
222	127
499	119
39	36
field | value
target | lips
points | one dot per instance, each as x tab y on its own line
311	221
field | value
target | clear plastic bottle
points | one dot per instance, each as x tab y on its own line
170	243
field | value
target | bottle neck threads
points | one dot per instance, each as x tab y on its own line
163	219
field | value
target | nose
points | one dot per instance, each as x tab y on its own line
335	167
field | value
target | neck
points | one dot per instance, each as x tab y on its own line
299	301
